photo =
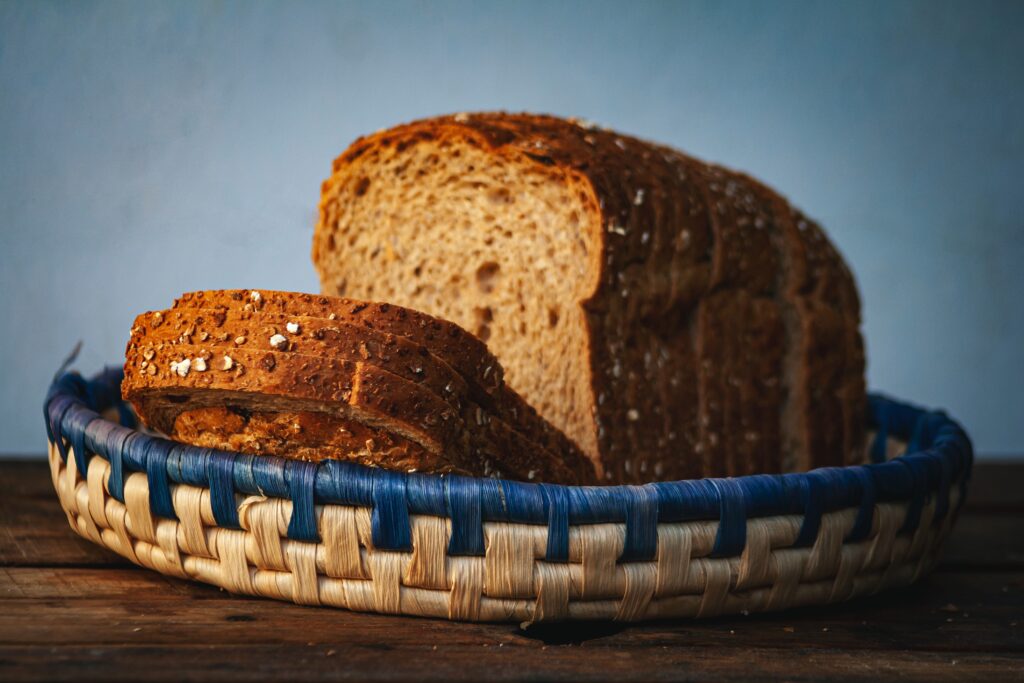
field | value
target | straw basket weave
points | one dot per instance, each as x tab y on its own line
482	549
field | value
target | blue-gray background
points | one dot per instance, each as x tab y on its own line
149	148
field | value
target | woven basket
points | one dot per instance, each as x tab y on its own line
454	547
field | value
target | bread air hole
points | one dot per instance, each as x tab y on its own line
487	276
484	318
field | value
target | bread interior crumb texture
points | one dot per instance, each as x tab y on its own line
505	248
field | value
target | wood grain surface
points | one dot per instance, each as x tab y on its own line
73	611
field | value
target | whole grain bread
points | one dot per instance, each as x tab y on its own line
236	365
674	318
389	336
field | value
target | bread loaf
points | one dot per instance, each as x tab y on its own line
674	318
328	389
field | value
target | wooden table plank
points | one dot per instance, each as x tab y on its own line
381	662
34	529
997	487
70	610
947	611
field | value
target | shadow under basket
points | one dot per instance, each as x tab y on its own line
344	535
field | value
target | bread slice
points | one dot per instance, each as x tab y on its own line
460	365
672	317
233	370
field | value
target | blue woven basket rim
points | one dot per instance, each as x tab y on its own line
938	456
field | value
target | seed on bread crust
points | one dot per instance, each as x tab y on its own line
181	367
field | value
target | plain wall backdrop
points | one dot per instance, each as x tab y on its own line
151	148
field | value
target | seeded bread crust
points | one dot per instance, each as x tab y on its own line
464	352
249	330
722	336
288	383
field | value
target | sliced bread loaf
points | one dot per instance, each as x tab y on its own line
675	319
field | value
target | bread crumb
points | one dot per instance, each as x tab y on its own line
332	316
148	354
181	367
293	328
239	340
199	364
531	474
279	341
632	415
638	199
227	363
617	229
461	117
255	296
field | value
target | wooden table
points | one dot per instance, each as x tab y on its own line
71	610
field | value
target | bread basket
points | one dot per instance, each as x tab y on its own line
454	547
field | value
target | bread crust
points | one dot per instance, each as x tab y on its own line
449	342
739	336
